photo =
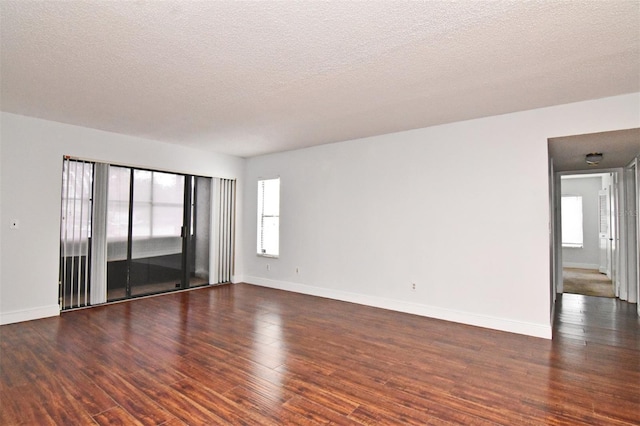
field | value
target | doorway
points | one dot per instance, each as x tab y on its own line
588	231
618	236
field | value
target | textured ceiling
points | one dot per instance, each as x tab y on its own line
247	78
618	149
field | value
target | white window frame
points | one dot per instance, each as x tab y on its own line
268	215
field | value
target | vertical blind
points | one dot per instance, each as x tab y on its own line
226	229
98	277
75	232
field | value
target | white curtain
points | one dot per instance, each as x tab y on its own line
75	231
224	237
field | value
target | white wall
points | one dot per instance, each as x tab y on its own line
31	161
589	255
462	210
459	209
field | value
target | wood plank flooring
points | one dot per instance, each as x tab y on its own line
246	355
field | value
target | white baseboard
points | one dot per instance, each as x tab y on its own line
502	324
29	314
580	265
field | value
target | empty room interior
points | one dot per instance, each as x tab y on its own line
334	212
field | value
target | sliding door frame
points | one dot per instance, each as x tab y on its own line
188	212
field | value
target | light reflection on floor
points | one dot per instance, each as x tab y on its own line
270	351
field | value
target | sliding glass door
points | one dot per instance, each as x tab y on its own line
128	232
155	244
156	232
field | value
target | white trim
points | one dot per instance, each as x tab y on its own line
214	231
29	314
595	266
587	173
503	324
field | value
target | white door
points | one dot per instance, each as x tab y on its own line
613	228
632	186
604	221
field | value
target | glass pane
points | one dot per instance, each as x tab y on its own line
572	221
167	220
168	188
141	219
271	234
156	253
117	231
118	213
142	190
271	197
268	217
200	230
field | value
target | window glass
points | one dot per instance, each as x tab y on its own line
118	206
572	221
268	239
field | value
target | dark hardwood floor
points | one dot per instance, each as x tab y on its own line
241	354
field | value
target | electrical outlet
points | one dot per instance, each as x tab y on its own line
297	270
268	267
413	286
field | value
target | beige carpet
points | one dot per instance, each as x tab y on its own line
589	282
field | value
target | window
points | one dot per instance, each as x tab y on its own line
572	221
269	217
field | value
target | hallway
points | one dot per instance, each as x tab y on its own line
588	282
